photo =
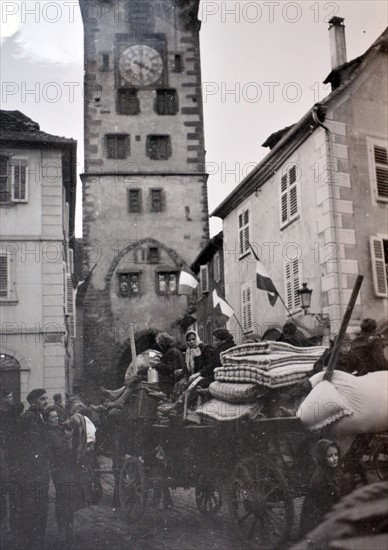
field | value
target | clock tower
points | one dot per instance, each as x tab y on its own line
145	212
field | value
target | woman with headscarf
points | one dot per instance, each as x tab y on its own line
327	486
170	364
199	360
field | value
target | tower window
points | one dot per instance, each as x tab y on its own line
134	200
167	283
153	255
117	146
156	200
166	102
178	66
129	284
158	147
127	102
105	62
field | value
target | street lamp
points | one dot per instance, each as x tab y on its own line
305	298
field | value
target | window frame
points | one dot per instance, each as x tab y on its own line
156	259
217	266
130	292
247	318
153	191
126	145
379	265
292	283
244	231
204	279
11	162
164	105
168	291
371	144
289	192
151	149
132	102
139	199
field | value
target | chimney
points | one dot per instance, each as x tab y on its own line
337	42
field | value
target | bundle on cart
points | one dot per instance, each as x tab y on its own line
258	379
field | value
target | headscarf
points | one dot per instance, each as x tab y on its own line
192	352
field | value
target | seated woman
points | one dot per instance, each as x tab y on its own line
223	341
200	360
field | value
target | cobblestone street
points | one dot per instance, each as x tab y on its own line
103	528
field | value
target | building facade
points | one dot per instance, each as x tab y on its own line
316	207
144	187
209	269
37	205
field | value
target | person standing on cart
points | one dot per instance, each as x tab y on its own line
170	363
368	347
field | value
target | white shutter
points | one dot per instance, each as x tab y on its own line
378	267
70	304
241	234
289	203
292	283
244	231
288	285
19	179
204	276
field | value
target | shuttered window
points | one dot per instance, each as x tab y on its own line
247	307
117	146
379	257
4	275
217	267
156	199
127	102
166	102
289	196
204	278
134	200
379	161
243	231
292	283
69	298
13	180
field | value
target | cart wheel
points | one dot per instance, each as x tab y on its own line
132	493
260	505
379	461
208	496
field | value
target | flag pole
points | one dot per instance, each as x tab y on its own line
223	296
281	299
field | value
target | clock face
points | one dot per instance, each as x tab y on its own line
141	65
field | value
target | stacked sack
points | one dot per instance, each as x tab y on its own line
249	371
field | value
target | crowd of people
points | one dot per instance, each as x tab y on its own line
40	443
57	441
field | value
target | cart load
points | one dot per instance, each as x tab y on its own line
351	404
255	379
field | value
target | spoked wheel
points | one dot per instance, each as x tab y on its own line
208	496
259	504
379	461
132	492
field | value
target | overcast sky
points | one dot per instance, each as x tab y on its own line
263	64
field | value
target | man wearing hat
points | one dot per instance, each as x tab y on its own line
30	503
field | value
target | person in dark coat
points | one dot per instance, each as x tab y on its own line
199	359
32	474
369	349
171	363
347	361
223	341
327	486
63	469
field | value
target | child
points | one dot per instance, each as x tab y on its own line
326	487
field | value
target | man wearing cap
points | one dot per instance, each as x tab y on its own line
369	349
33	474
